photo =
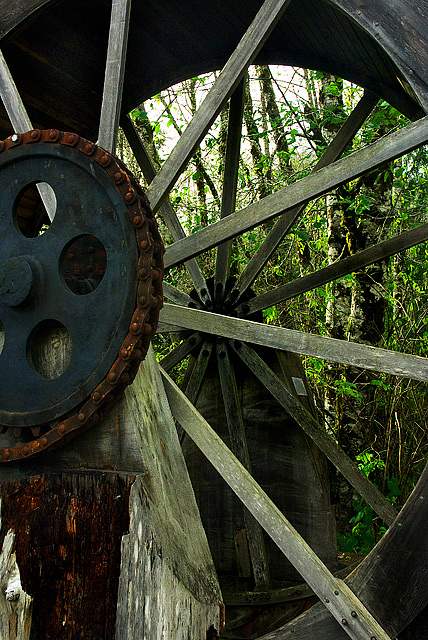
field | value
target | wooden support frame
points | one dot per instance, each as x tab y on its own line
336	596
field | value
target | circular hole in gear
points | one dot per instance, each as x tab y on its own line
2	334
82	264
31	209
49	349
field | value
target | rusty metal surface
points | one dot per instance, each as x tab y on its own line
147	297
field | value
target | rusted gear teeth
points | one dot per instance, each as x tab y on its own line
149	297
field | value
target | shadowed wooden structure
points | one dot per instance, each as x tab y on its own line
80	67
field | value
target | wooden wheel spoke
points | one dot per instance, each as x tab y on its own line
336	270
283	225
317	433
182	351
21	122
168	214
331	349
239	447
230	180
177	296
230	76
283	202
335	595
114	74
197	375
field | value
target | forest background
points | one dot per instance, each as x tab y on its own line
290	116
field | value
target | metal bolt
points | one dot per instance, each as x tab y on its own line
6	454
137	220
112	377
105	160
34	134
336	593
144	244
118	176
344	622
354	614
15	138
376	24
61	428
53	134
25	451
129	196
327	600
81	417
43	441
96	397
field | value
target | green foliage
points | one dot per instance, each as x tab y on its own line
366	529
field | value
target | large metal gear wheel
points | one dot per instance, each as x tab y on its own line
92	276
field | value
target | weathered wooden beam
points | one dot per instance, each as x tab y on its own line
331	349
21	123
229	78
334	150
182	351
317	433
230	183
114	74
316	184
238	440
336	270
336	596
168	214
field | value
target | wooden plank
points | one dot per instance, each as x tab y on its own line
168	214
175	295
331	349
114	74
334	150
336	270
238	440
316	184
230	183
21	123
317	433
182	351
391	579
229	78
336	596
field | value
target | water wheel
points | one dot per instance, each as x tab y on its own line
55	79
